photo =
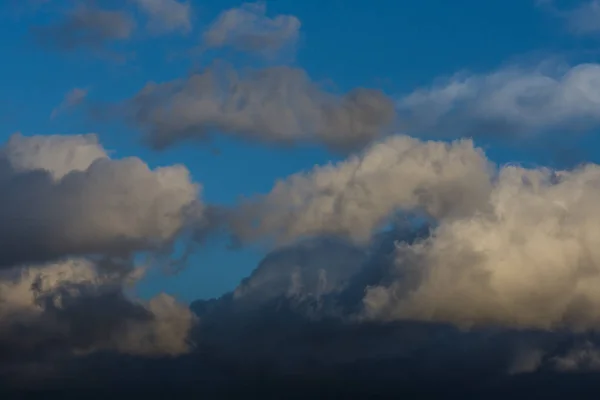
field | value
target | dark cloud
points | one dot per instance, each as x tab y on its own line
53	312
279	105
63	196
74	220
284	344
165	16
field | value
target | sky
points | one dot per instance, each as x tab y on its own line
393	46
390	163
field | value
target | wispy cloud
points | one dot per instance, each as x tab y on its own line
509	101
86	27
72	99
584	19
165	16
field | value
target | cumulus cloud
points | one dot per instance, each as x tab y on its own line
355	197
76	307
74	219
248	29
278	105
86	27
72	99
166	16
509	101
528	261
511	247
63	195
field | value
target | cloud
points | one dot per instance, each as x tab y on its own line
584	19
167	15
527	261
63	195
85	27
584	357
248	29
307	270
73	220
581	20
509	101
72	99
76	307
510	247
355	197
279	105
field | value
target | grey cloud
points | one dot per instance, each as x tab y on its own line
247	28
75	307
581	20
584	19
582	357
63	196
508	102
85	27
166	16
72	99
277	105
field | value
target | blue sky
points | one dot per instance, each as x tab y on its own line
396	46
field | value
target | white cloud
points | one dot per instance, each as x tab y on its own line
247	28
167	15
510	101
528	260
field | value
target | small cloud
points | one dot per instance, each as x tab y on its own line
86	27
72	99
248	29
585	19
166	16
581	20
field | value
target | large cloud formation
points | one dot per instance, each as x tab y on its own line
278	105
513	247
63	195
